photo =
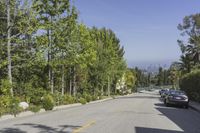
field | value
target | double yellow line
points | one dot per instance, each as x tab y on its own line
87	125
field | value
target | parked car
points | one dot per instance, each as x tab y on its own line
161	91
176	97
164	93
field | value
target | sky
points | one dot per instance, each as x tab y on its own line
146	28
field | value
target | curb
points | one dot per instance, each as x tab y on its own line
194	108
56	108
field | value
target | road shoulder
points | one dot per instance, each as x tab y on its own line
195	106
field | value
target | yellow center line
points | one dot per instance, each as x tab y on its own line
87	125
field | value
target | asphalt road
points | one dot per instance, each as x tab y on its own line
138	113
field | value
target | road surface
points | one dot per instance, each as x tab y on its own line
137	113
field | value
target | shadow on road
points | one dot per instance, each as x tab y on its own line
185	119
41	128
153	130
11	130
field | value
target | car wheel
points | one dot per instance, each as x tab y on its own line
166	104
165	101
186	106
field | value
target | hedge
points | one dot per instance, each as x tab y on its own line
190	83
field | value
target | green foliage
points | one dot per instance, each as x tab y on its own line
130	79
34	108
94	97
142	78
88	98
82	100
36	95
9	105
4	104
5	87
48	102
68	99
67	58
190	83
14	106
58	98
190	49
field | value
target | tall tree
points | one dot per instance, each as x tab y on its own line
190	29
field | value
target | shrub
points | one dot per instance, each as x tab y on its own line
82	101
5	87
14	107
48	102
190	83
34	108
69	99
36	95
88	98
4	104
94	97
58	98
9	105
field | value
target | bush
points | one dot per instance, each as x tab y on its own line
34	108
48	102
9	105
190	83
14	107
5	87
88	98
82	101
94	98
58	98
36	95
4	104
69	99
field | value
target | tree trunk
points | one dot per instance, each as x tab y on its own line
74	82
9	45
63	81
52	82
102	90
108	86
51	85
70	81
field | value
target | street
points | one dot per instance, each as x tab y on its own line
136	113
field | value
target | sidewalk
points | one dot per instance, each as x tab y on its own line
195	105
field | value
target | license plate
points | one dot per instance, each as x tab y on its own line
178	98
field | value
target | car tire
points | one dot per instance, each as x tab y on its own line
186	106
165	101
166	104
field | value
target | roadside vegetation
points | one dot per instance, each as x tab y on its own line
185	73
48	58
188	68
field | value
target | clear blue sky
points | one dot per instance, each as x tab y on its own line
147	28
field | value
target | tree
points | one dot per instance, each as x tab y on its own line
190	28
49	16
160	77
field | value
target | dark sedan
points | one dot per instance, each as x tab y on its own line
161	91
164	93
176	97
